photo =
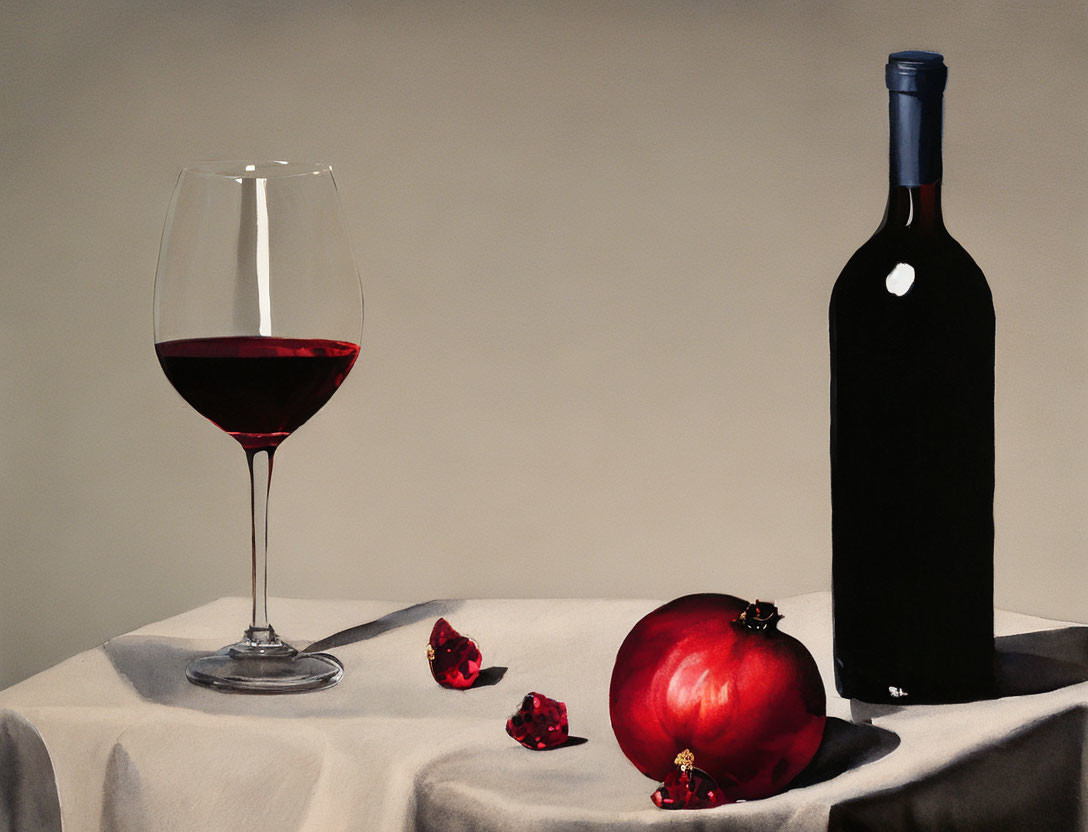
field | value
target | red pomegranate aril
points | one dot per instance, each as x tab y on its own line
687	787
454	659
539	723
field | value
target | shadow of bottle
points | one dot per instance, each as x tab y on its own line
1029	663
1024	664
1032	779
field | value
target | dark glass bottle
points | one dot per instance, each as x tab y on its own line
912	433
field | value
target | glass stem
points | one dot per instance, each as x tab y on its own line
260	479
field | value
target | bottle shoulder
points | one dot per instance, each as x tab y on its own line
904	261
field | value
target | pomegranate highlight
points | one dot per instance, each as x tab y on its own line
713	674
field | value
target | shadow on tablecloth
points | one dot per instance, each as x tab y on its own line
845	746
392	621
1033	779
1043	661
1024	664
593	787
155	667
28	787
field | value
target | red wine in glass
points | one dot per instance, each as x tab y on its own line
256	388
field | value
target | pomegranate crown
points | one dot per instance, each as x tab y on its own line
685	759
760	615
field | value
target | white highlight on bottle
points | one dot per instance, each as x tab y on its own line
900	279
264	297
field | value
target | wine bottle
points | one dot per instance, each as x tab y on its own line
912	433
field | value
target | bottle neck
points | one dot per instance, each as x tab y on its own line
914	209
914	193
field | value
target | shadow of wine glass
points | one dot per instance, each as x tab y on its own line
392	621
155	667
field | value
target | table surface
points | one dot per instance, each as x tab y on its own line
116	739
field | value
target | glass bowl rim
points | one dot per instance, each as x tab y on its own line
255	169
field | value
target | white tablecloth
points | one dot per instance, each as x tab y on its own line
116	739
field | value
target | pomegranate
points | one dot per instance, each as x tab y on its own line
713	674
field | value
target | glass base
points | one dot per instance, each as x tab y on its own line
262	663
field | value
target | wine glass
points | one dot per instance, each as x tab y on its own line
258	318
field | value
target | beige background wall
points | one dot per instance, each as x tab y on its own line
597	242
